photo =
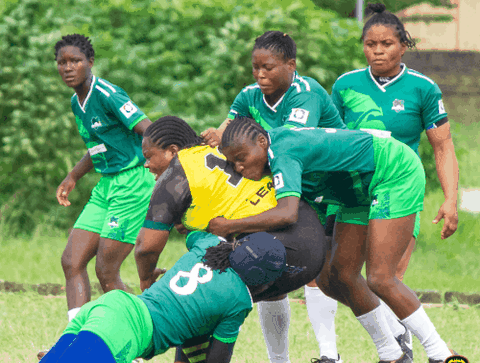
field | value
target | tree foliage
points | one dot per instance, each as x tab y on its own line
347	7
172	57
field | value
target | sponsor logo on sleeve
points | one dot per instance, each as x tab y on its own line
97	149
299	115
128	109
278	181
441	107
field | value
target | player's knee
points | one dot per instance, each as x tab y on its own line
380	283
105	273
70	265
341	277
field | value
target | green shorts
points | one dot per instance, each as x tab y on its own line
397	188
118	205
123	322
360	215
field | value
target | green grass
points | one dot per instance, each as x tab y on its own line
43	319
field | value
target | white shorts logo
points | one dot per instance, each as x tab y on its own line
128	109
299	115
441	107
278	181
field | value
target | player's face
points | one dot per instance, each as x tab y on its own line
73	66
248	158
157	159
383	50
272	73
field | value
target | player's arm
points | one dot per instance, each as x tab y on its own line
282	215
140	127
447	170
212	136
220	352
66	186
148	247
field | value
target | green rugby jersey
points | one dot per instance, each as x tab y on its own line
306	103
192	300
105	122
323	165
406	105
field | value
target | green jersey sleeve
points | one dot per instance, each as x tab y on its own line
228	329
287	175
312	109
240	105
433	109
119	104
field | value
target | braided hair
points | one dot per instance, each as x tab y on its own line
279	42
77	40
216	257
242	127
172	130
379	15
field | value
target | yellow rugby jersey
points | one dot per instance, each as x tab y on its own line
200	185
217	190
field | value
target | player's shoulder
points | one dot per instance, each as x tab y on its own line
421	81
346	79
251	89
106	89
306	85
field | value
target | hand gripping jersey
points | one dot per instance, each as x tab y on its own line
191	300
105	122
306	103
405	106
199	185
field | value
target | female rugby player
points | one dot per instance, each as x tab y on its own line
280	97
349	168
111	126
195	184
204	297
391	98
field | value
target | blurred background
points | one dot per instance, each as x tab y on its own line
189	58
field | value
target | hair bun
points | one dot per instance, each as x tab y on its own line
375	8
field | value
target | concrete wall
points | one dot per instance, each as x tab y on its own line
463	33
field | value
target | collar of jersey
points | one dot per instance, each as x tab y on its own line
393	80
88	94
274	107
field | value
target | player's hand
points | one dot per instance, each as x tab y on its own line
447	212
220	226
145	284
64	189
211	137
181	228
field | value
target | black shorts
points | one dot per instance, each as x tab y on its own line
306	247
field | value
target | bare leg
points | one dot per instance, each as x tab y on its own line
81	248
346	267
402	266
110	255
387	242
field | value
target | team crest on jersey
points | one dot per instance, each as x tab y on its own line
299	115
398	105
96	123
278	181
128	109
441	107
